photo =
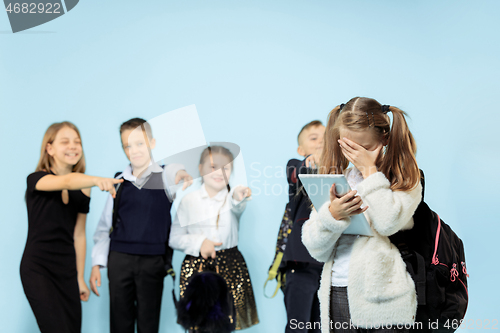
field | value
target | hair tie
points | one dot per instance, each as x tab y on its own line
385	108
341	106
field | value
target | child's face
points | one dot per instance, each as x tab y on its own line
137	148
367	139
66	150
311	141
212	171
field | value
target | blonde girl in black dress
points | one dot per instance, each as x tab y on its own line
57	199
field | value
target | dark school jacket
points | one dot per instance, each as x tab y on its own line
299	204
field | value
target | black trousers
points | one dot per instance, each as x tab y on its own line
135	291
301	298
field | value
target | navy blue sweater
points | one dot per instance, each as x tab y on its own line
143	219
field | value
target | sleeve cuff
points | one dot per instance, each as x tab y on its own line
328	222
100	260
235	202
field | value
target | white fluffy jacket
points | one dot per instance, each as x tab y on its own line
380	291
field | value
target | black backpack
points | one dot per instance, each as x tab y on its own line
435	258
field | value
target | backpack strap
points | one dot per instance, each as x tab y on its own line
116	202
435	260
273	273
415	263
422	181
419	276
420	280
170	270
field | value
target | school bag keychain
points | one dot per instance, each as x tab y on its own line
435	258
275	271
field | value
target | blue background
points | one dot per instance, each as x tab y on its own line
257	72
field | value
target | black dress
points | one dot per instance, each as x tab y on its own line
48	266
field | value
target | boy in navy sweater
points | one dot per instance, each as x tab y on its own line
302	271
131	239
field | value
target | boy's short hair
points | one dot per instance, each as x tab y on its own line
313	123
133	123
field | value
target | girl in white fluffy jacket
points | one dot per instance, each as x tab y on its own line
364	284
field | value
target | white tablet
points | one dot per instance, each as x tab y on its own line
318	187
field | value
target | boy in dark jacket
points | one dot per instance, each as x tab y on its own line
302	271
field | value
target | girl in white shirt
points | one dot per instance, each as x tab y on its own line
206	229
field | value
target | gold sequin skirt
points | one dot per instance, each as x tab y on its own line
229	264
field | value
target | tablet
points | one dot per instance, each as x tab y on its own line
318	187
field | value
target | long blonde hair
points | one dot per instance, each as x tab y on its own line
46	162
398	164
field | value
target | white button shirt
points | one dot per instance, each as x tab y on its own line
197	213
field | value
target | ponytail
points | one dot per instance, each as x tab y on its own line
332	160
399	164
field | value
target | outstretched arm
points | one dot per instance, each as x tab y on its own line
239	197
76	181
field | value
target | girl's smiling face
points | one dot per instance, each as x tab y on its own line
212	171
66	149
